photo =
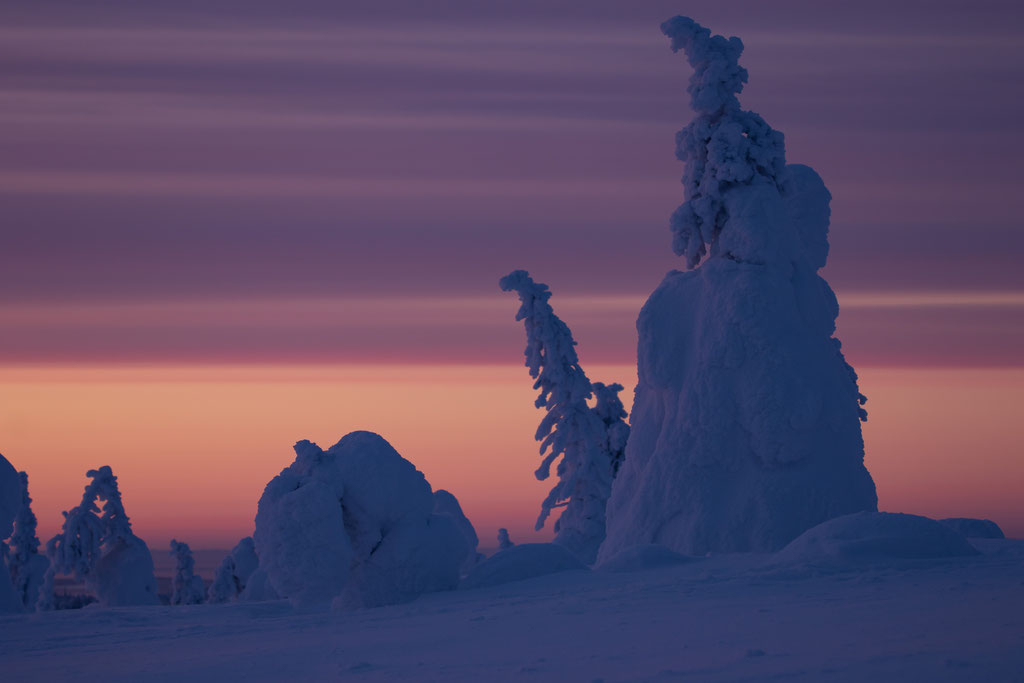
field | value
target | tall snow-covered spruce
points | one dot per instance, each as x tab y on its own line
581	435
746	420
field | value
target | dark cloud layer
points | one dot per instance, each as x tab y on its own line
161	152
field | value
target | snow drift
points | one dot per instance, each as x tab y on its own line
873	536
355	522
642	557
524	561
746	420
974	528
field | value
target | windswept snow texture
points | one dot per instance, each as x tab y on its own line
974	528
524	561
745	429
876	536
355	522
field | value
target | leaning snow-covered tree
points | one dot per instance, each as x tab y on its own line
745	429
570	430
26	565
188	587
98	547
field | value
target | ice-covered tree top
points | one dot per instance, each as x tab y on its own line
724	146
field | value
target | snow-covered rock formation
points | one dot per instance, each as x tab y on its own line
355	522
100	549
746	420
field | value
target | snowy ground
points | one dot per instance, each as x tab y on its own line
719	619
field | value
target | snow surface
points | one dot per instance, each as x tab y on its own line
523	561
745	429
723	618
640	557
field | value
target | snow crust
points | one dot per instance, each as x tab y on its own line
643	557
745	429
355	524
876	536
523	561
974	528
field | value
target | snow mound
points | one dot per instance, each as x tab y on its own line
258	588
447	504
124	574
523	561
355	522
974	528
873	536
745	429
641	557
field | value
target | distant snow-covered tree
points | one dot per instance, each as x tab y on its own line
570	430
613	414
26	565
188	587
504	542
98	547
232	576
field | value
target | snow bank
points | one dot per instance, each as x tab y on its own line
745	429
642	557
523	561
974	528
876	536
357	522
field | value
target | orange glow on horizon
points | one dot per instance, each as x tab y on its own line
194	445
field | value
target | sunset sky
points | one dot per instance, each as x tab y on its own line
228	226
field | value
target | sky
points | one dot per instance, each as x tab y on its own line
232	225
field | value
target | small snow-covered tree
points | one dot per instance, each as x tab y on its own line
188	587
570	430
98	547
504	542
613	414
26	565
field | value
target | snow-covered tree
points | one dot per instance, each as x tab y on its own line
745	426
723	146
232	576
613	414
26	565
98	547
504	541
570	430
188	587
